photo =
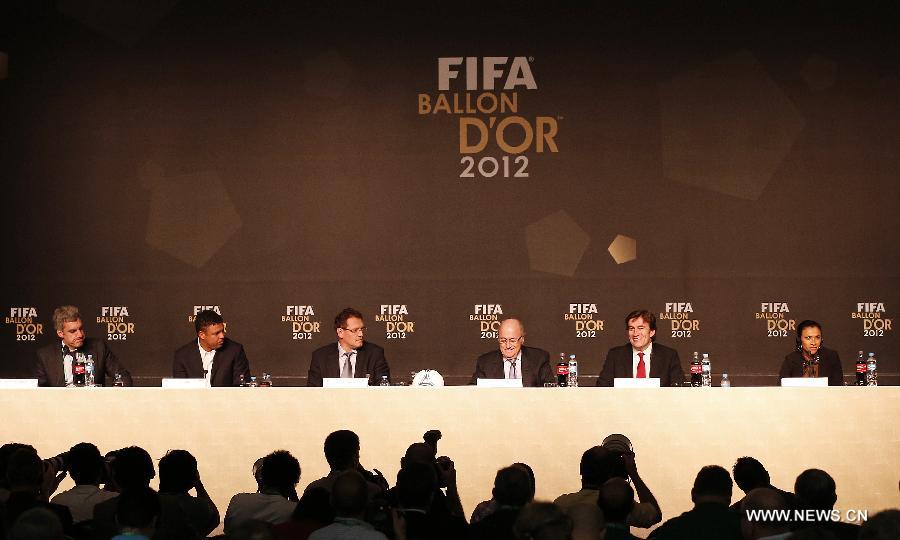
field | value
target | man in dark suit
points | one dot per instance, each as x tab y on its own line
54	361
512	360
641	357
351	356
213	356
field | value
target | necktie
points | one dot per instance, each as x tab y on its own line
347	371
641	368
512	370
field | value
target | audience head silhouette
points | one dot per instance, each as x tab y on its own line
177	472
750	474
712	484
762	499
542	521
280	472
349	495
342	450
616	499
132	468
816	489
513	487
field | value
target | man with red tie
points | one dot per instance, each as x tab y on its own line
641	357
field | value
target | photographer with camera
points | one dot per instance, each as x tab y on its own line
342	454
614	459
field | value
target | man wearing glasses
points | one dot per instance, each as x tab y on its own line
513	360
352	357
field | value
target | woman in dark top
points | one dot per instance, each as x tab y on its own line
811	359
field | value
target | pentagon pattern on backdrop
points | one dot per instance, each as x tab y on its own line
556	244
820	73
623	249
726	126
190	217
124	21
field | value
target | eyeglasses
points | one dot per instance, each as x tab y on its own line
358	331
509	341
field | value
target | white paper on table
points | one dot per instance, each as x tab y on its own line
804	381
18	383
634	382
499	383
172	382
341	382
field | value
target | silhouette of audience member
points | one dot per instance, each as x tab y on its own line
25	478
616	502
54	470
37	524
253	529
132	469
417	484
710	517
138	511
749	474
342	454
815	490
599	464
349	496
442	506
764	500
486	508
278	478
513	489
313	512
86	468
884	525
543	521
178	474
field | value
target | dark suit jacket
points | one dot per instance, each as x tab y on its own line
172	524
369	359
664	363
829	366
535	366
49	366
229	364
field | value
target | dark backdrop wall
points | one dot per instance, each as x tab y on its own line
733	169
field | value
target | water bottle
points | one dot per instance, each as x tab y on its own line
696	370
706	371
384	381
266	381
726	382
118	381
78	370
871	371
89	371
572	380
562	371
861	368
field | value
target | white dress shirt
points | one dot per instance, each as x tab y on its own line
81	500
507	366
342	358
635	359
207	358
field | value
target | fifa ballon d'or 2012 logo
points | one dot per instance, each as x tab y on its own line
24	321
489	117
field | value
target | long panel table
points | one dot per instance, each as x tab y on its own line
853	433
